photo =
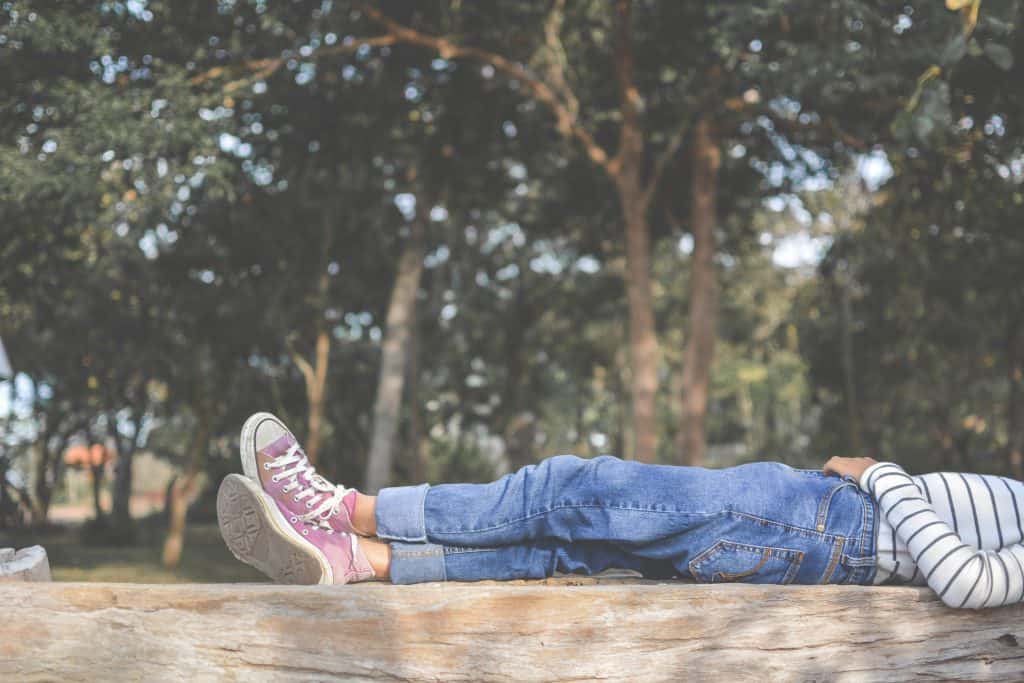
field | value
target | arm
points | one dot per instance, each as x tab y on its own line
961	574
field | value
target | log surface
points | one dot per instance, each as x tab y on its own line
537	631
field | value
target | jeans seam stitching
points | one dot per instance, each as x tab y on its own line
803	530
417	553
572	507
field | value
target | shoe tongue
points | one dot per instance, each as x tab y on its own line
279	446
320	483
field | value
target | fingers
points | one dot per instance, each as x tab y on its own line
852	467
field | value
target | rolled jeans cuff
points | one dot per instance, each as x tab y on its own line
400	513
416	562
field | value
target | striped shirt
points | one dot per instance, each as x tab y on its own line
960	534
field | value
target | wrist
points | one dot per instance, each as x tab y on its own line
865	476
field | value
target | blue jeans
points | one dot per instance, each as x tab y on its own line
763	522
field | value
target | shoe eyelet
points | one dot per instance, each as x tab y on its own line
266	465
294	520
309	505
305	532
295	499
274	479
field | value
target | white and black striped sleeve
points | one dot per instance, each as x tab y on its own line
960	573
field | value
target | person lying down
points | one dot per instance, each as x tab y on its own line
855	521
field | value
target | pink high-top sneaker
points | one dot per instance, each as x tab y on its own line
273	458
288	550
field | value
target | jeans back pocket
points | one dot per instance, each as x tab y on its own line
728	561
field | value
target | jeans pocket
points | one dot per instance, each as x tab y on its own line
728	561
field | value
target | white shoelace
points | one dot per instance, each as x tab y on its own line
322	497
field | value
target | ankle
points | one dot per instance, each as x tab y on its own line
378	554
364	517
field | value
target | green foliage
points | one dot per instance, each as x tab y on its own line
170	171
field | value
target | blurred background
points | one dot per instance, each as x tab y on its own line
445	239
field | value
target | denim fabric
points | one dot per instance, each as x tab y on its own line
762	522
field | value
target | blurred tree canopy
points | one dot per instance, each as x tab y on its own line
446	239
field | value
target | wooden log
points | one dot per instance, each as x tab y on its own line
577	629
28	564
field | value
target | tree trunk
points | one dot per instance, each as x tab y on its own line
627	171
520	437
618	388
520	428
643	338
120	508
121	494
700	346
559	629
849	370
401	317
97	490
315	375
317	395
4	503
184	489
48	468
41	501
414	436
1014	418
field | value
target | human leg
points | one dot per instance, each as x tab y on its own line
754	522
763	522
419	562
304	554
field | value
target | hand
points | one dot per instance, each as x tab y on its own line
853	467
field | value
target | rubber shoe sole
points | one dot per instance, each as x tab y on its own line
254	535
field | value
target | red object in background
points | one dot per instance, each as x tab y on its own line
91	456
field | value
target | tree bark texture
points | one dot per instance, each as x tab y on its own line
627	169
417	469
183	492
121	493
317	394
120	507
1014	407
643	338
401	317
580	629
700	345
49	466
96	478
315	374
849	367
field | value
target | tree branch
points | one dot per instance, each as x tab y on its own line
557	60
631	147
565	108
567	120
671	149
307	370
260	69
